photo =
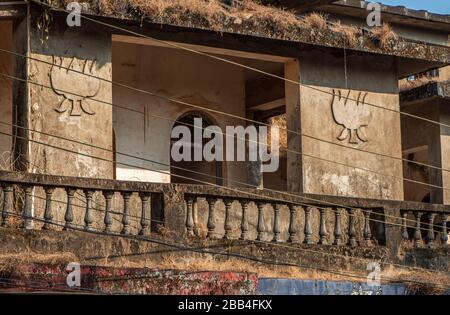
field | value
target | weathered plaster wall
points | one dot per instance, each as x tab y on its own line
363	174
5	94
86	49
179	75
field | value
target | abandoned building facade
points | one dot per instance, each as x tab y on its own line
87	113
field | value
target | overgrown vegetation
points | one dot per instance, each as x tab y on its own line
248	16
316	20
383	35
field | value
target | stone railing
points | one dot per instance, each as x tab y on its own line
421	227
34	201
57	202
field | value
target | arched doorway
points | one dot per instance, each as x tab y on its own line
194	172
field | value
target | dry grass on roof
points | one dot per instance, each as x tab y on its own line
246	16
384	35
316	20
351	33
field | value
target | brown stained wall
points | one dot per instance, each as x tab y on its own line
88	50
5	95
358	177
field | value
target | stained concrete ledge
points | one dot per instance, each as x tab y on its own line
252	29
20	248
154	251
400	11
430	90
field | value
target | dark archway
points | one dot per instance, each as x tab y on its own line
194	172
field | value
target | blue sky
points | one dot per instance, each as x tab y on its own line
436	6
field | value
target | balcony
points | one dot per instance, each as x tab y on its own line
138	209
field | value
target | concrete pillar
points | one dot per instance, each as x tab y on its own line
254	175
293	122
20	110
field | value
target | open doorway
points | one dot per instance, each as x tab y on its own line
415	172
194	172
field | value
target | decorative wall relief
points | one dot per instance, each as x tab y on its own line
75	87
351	112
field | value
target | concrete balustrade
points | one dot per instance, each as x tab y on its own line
137	208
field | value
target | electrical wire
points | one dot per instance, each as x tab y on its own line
253	141
276	244
179	46
162	163
258	196
133	218
206	109
183	246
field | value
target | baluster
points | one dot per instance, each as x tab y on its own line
88	214
68	217
126	195
108	208
417	233
7	204
147	209
190	215
323	226
337	228
27	212
293	238
260	225
308	229
48	214
228	227
367	231
405	235
195	216
244	222
430	236
276	223
444	236
351	228
211	225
